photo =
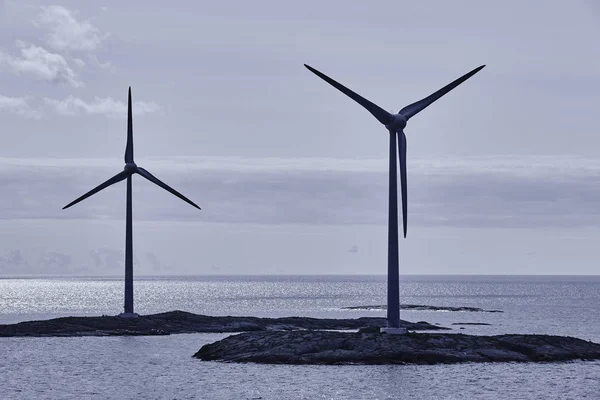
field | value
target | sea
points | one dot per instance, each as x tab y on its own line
162	367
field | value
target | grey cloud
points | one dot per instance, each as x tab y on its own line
102	65
79	62
66	33
500	193
72	106
13	262
56	261
19	106
99	106
153	262
107	259
40	63
103	261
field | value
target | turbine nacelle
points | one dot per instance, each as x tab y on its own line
397	123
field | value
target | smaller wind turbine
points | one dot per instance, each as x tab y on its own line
130	169
395	124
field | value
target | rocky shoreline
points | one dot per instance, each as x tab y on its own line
314	347
174	322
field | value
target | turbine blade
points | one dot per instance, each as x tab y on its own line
382	116
163	185
117	178
415	108
129	147
403	182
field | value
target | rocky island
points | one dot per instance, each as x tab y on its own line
173	322
314	347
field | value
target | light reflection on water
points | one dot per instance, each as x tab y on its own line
162	367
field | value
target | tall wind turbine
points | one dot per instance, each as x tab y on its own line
395	124
130	169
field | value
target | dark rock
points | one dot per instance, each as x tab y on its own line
321	347
183	322
418	307
470	323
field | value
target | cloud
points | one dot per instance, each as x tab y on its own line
66	32
79	62
502	192
42	64
99	106
102	65
19	106
13	262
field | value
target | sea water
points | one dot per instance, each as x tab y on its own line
162	367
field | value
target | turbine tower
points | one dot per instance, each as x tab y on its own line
395	124
130	169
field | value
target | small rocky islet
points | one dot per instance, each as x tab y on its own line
420	307
332	348
174	322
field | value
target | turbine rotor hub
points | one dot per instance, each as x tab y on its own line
130	167
397	123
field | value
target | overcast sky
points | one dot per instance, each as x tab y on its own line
504	172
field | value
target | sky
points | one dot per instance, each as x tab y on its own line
504	172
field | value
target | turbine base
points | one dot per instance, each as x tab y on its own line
393	331
129	315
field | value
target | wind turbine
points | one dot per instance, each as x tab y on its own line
395	124
130	169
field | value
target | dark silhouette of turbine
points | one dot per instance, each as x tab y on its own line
395	124
130	169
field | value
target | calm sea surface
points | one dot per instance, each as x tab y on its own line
162	367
